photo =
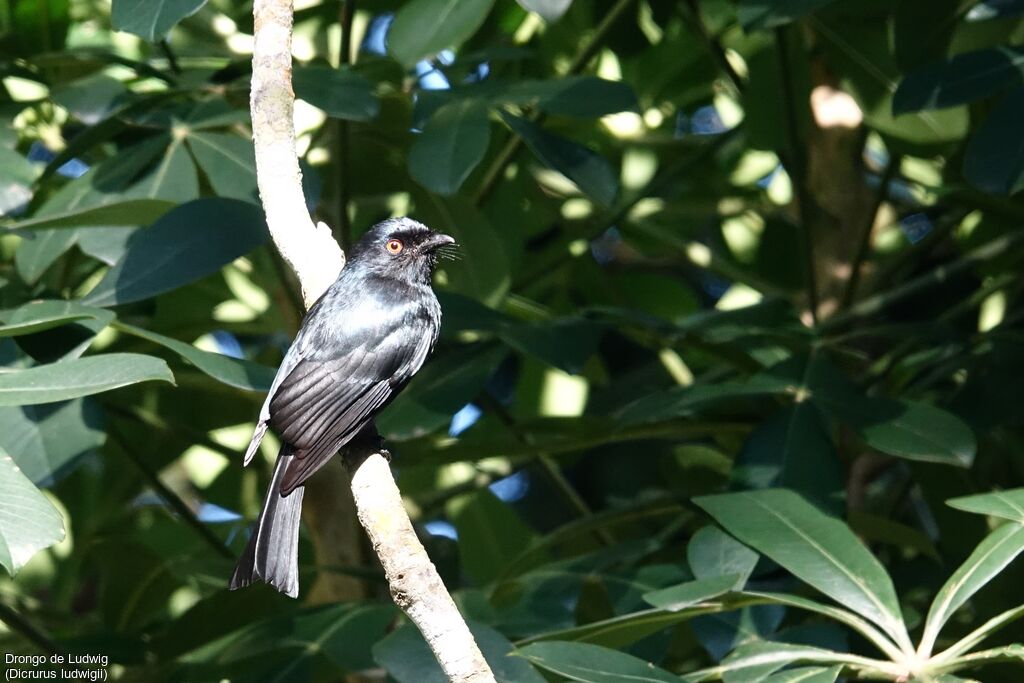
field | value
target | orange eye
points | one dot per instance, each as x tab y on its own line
394	246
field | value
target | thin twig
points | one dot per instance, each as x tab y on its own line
18	623
864	243
343	133
714	45
170	497
580	61
939	275
797	171
172	60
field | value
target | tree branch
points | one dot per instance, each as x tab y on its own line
316	260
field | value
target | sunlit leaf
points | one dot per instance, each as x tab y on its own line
79	377
188	243
151	19
28	521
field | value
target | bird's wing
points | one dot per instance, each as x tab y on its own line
333	392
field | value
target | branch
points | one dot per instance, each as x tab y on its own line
309	250
316	260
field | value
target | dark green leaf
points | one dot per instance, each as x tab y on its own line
961	79
587	169
229	162
235	372
687	594
761	14
490	534
151	19
343	94
422	28
792	450
28	521
439	391
565	343
819	550
128	212
711	552
79	377
593	663
190	242
994	161
585	97
36	317
45	439
450	146
16	177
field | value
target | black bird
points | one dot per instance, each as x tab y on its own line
358	346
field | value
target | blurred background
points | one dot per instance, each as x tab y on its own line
707	246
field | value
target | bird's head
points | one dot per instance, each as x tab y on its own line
400	247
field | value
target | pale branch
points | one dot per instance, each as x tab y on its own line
310	251
317	259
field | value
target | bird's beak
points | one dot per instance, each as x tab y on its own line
436	241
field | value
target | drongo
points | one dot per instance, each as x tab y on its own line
358	346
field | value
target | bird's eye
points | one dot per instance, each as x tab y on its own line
394	246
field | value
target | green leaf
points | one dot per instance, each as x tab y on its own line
235	372
836	614
422	28
906	429
229	163
129	212
566	343
587	169
342	93
593	663
439	391
755	662
791	450
763	14
47	439
675	598
585	97
36	317
28	521
151	19
450	146
484	554
1007	504
991	556
711	552
994	161
407	659
685	401
79	377
16	177
960	79
816	548
806	674
192	241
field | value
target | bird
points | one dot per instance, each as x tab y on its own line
357	348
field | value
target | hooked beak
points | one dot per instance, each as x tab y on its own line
436	241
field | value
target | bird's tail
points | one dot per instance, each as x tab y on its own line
272	555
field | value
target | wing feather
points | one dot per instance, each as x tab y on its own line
325	401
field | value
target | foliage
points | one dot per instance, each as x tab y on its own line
737	314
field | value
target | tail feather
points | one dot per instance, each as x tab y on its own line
272	555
